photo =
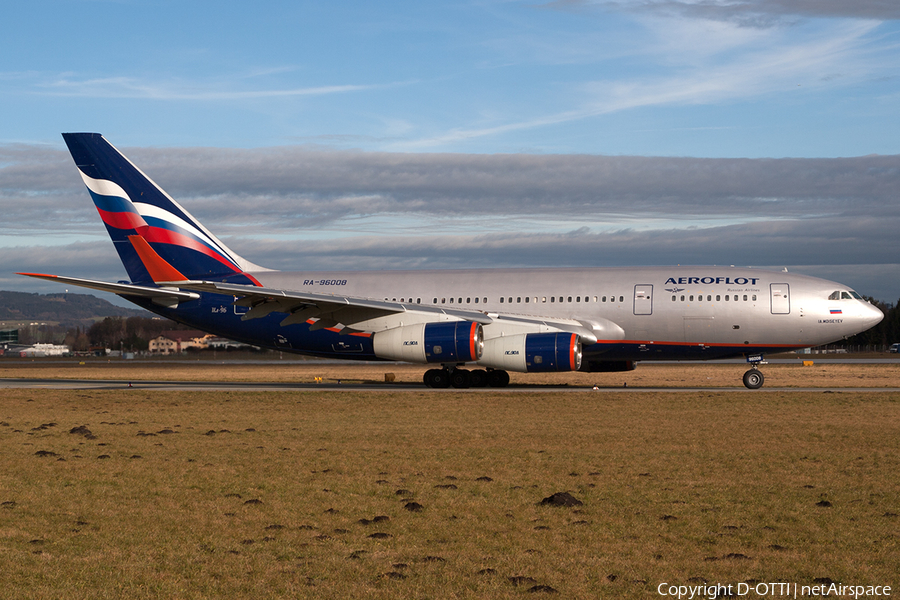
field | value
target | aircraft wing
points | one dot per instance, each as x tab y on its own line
329	309
351	312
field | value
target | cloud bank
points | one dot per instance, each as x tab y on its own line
305	208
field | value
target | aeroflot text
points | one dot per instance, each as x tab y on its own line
776	590
709	280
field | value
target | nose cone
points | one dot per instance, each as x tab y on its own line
868	316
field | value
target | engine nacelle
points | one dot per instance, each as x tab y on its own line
533	352
453	342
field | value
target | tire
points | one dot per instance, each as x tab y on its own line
754	379
498	378
437	378
478	378
460	378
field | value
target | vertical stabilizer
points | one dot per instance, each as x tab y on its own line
131	204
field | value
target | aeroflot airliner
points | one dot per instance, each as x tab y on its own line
497	320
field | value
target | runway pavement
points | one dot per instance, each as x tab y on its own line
230	386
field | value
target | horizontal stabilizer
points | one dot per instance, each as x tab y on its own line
122	289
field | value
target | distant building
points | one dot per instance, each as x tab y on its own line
177	341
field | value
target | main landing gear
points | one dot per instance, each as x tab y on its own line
462	378
754	379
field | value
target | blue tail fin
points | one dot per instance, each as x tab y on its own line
130	204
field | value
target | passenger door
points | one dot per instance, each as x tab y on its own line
643	299
780	298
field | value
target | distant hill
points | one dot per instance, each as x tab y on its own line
66	308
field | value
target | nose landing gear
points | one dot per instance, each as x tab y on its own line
754	379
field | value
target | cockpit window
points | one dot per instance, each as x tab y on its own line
842	295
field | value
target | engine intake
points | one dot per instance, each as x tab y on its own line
457	341
533	352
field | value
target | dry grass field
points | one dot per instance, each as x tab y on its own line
152	494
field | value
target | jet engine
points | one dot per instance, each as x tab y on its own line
533	352
453	342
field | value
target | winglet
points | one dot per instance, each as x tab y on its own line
160	271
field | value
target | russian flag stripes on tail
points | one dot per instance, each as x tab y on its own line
131	204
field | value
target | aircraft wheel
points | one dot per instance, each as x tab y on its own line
479	378
754	379
460	378
498	378
437	378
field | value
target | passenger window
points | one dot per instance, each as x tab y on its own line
718	298
691	298
727	298
484	300
527	298
709	298
418	301
570	299
621	298
682	298
468	300
754	297
510	300
434	301
604	299
501	299
577	298
443	300
745	297
476	300
552	298
673	298
451	300
595	298
518	299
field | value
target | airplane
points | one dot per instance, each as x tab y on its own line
471	326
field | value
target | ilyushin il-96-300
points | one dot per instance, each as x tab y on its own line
470	326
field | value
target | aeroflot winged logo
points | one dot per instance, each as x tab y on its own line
711	280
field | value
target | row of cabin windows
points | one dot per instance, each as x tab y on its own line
519	299
718	298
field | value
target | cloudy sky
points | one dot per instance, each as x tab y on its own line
385	135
